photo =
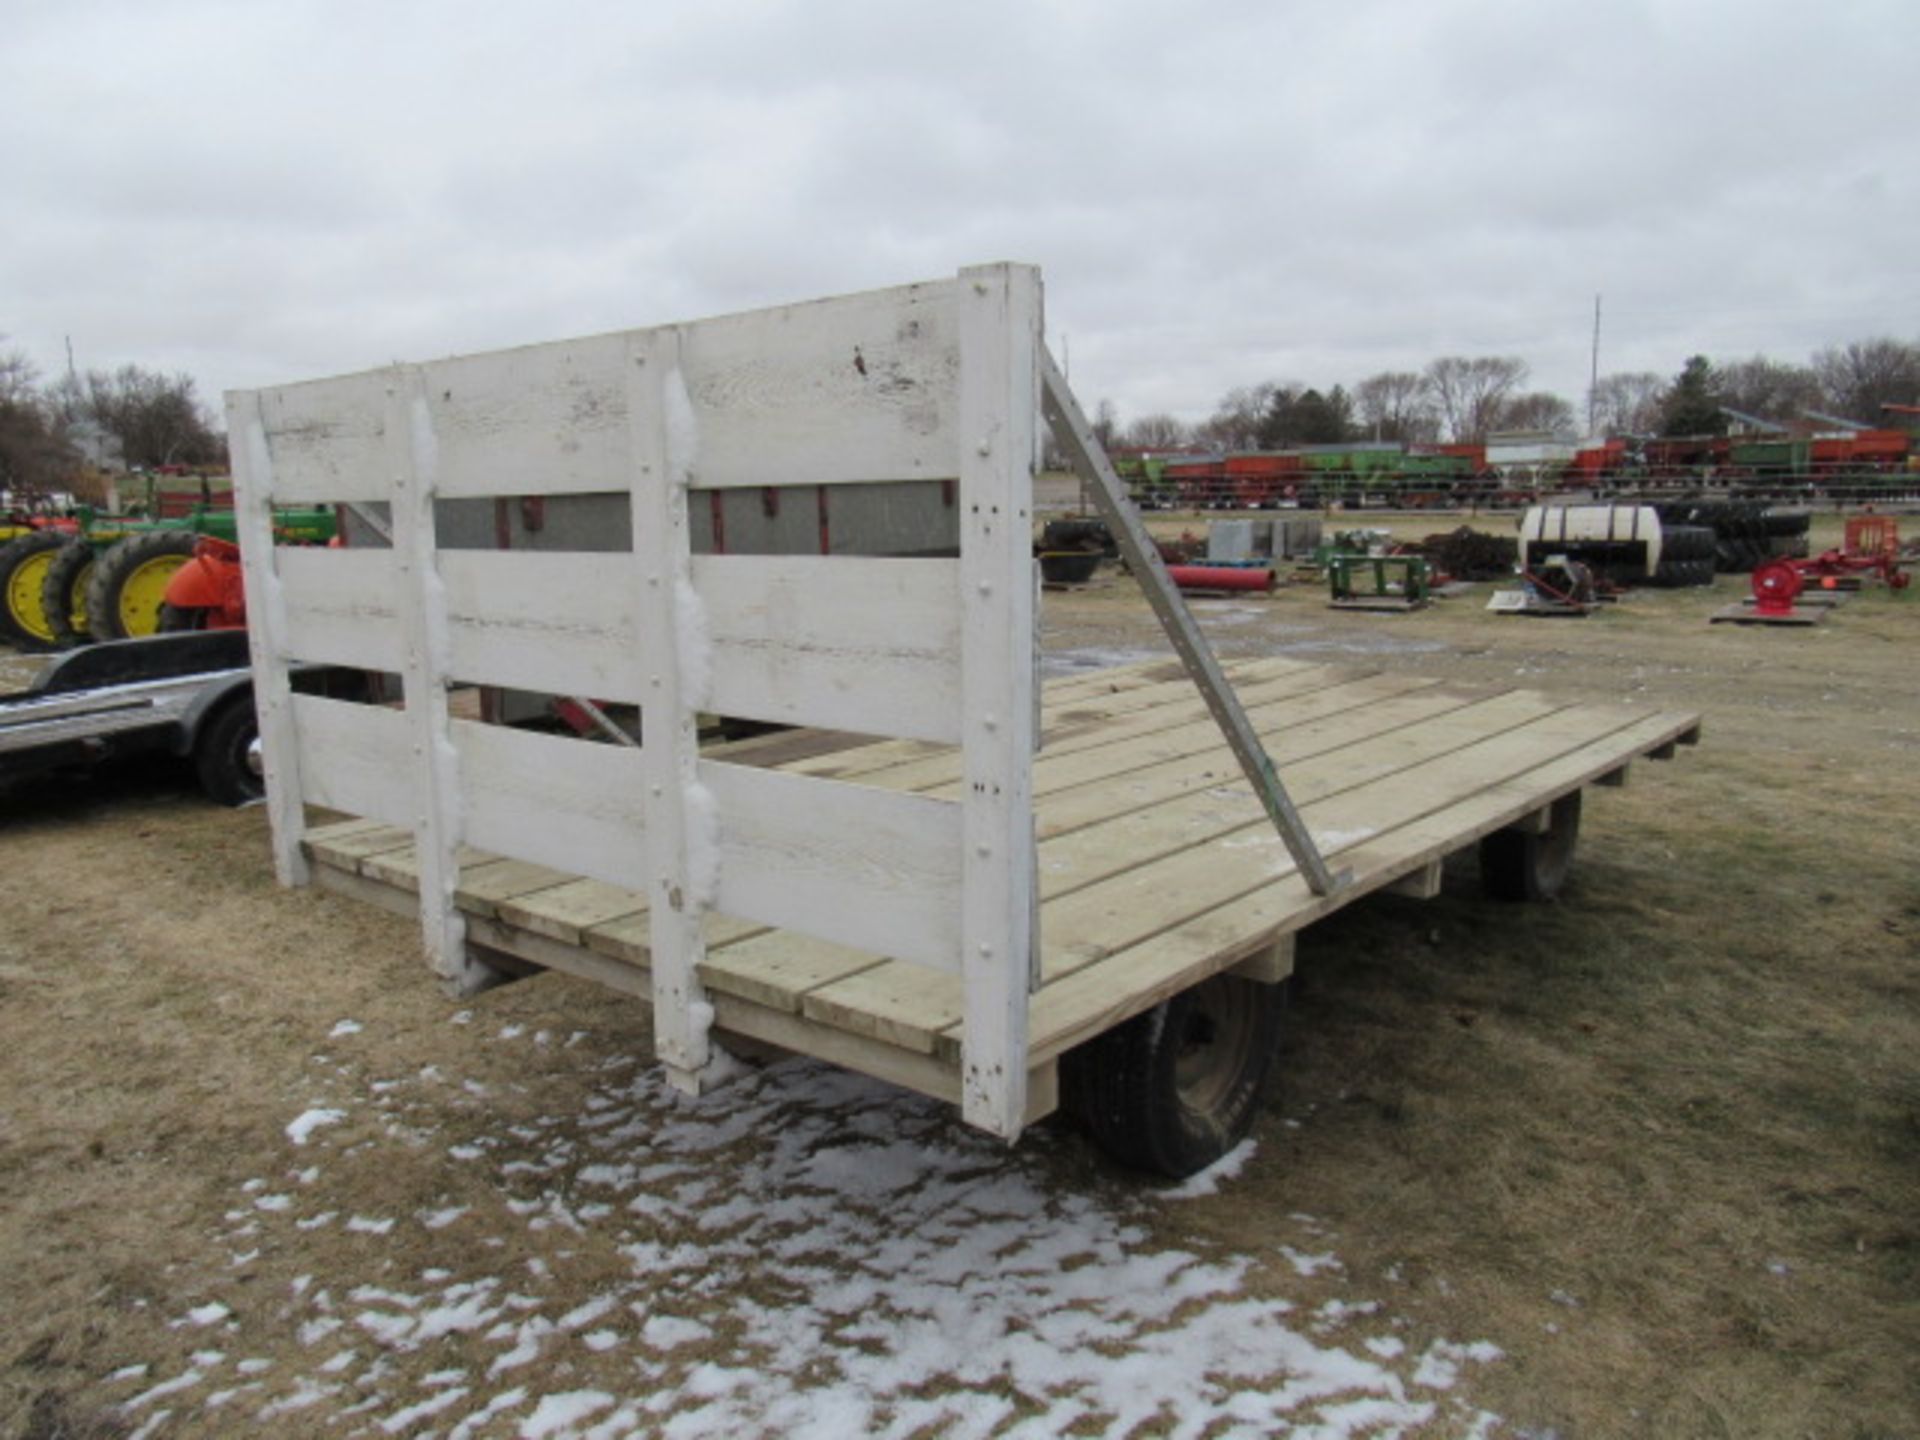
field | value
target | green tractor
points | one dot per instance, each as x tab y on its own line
108	580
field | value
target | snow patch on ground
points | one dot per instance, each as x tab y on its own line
1207	1181
300	1130
811	1254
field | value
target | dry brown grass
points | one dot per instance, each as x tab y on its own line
1659	1141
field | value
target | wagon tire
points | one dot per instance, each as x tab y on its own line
63	593
23	564
226	754
1516	865
1176	1088
127	591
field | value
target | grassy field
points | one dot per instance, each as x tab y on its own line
1644	1161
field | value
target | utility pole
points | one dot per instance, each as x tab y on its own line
1593	378
72	374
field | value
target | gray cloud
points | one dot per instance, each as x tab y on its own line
1312	190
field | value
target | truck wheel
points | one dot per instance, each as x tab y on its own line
63	593
23	572
1176	1088
129	584
1517	865
226	753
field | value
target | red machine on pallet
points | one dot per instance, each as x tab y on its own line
1871	546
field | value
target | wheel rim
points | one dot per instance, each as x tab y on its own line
144	591
1215	1040
1555	856
23	595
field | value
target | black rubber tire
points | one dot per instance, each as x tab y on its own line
113	570
221	753
1686	542
1516	865
63	594
15	629
1176	1088
1786	524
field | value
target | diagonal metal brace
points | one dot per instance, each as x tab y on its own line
1073	435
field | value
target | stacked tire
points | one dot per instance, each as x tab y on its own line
1746	533
1687	556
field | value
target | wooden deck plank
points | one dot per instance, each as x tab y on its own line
627	937
346	851
564	912
1080	789
902	1004
341	829
931	772
777	968
480	890
1142	837
402	867
1087	924
1067	717
1083	1004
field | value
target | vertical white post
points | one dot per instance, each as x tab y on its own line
266	631
414	463
1000	323
682	848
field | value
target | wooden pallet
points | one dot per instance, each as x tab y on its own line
1157	864
1746	614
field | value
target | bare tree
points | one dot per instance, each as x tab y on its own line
1106	423
1628	402
1857	379
1468	392
17	375
1235	423
1157	432
33	456
1396	405
157	418
1538	410
1768	389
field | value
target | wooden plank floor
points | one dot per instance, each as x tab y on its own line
1157	866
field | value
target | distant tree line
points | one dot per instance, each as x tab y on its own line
145	418
1463	399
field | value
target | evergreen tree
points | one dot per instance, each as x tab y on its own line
1692	406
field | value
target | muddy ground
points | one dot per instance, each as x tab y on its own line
1645	1161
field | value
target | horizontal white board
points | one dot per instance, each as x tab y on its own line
325	439
857	388
358	759
559	622
877	870
840	642
852	389
339	607
572	804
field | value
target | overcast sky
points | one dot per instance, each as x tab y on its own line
1217	193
